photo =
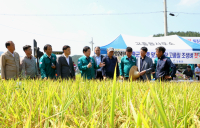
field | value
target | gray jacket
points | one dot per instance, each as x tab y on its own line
96	62
63	68
147	65
29	67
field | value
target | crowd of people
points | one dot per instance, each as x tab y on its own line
95	67
192	71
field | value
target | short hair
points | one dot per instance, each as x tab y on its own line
86	48
188	66
161	48
45	47
65	47
7	43
26	47
144	49
97	47
129	49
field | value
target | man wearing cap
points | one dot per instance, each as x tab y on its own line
145	65
87	64
110	64
126	63
48	63
98	59
163	65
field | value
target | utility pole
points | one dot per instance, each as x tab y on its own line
165	17
91	42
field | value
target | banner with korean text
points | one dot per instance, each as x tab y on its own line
176	57
179	49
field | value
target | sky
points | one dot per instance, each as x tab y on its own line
76	30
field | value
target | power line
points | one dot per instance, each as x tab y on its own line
100	14
190	13
39	34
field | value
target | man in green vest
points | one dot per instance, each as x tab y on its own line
126	63
87	64
48	63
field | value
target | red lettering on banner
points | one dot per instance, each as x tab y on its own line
189	39
195	55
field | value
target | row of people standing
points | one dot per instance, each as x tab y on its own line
108	64
97	66
49	64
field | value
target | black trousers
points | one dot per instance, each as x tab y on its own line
126	78
163	79
197	77
99	75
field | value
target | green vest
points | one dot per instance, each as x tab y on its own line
192	66
87	73
45	64
126	65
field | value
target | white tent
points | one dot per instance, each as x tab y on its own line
193	39
178	49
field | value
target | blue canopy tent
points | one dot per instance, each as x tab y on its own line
180	50
118	43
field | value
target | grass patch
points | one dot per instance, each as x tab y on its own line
82	103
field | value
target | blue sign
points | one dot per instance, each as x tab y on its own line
178	55
153	54
196	41
137	54
148	54
183	55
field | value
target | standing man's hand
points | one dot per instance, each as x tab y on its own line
53	67
122	77
104	77
102	64
168	77
45	78
89	65
142	72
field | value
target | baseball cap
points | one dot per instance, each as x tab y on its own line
110	49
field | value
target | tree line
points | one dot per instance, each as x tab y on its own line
182	34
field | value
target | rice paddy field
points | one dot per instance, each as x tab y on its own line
98	104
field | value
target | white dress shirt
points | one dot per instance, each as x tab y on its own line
197	69
98	60
67	58
12	54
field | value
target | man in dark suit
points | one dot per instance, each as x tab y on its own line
64	65
145	65
98	59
